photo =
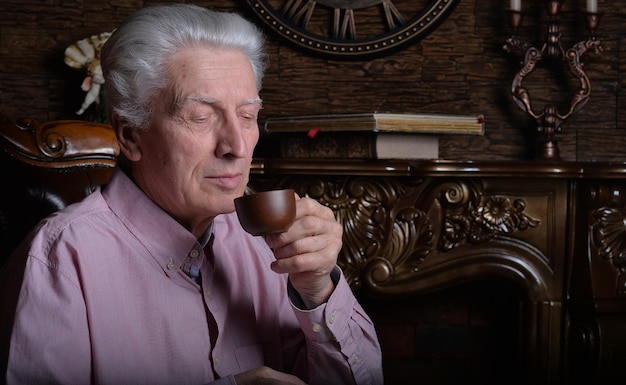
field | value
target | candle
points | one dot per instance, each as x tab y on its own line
592	6
516	5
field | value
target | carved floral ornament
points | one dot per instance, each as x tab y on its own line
608	234
391	227
481	221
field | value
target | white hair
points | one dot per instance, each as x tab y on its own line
134	58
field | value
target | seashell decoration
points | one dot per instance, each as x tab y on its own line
85	55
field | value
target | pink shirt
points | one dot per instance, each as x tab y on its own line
106	299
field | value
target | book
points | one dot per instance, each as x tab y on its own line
380	122
359	145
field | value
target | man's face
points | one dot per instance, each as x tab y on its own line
195	157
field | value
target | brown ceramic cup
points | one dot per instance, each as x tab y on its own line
267	212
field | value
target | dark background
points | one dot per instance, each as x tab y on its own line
459	68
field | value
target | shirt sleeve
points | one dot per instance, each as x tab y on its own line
342	346
49	345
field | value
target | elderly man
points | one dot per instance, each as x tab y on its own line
152	279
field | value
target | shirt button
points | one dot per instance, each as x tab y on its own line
171	266
356	358
207	293
194	253
331	319
317	328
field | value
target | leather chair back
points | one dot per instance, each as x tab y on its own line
46	167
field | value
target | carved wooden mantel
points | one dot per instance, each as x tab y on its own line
554	230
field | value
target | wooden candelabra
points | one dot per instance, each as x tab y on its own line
549	120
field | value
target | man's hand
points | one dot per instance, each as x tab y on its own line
266	376
308	251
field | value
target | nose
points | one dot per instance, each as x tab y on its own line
233	139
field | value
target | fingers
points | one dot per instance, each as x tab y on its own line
315	254
312	242
308	251
266	376
312	219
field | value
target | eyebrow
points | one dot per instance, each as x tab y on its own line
206	100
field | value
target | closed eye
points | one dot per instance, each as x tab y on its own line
248	116
199	119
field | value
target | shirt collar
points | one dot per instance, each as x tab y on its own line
204	240
166	240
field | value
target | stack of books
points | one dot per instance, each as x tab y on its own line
368	135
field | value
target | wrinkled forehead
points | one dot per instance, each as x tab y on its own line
209	75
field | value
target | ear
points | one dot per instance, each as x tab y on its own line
127	137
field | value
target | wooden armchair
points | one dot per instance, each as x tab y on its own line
46	167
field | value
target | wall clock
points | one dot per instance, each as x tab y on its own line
357	29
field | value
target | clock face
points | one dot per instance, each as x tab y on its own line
344	29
